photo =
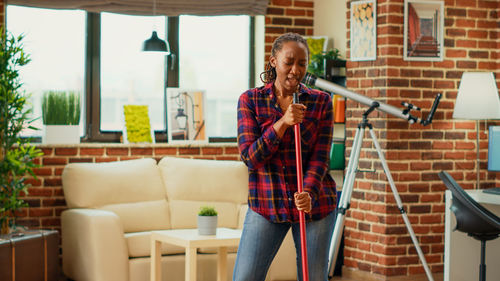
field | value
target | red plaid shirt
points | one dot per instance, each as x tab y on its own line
271	160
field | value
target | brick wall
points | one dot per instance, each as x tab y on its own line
288	16
376	237
2	12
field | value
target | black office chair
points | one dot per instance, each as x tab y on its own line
472	218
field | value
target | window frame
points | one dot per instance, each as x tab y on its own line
93	132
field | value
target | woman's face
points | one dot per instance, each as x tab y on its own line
291	66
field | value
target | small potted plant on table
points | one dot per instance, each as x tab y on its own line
207	220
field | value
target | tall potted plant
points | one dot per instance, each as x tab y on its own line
16	153
61	116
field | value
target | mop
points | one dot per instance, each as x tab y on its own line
302	219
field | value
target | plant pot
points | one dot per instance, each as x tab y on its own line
207	225
61	134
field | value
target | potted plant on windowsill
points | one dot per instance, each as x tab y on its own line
61	117
207	221
16	153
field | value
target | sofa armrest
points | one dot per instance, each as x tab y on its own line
93	246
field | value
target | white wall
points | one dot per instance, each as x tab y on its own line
330	20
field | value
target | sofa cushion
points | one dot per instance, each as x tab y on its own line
139	245
142	216
90	185
192	183
204	180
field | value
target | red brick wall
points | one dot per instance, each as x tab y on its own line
376	237
2	13
288	16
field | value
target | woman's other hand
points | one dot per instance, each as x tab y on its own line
303	201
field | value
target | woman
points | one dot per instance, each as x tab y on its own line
266	117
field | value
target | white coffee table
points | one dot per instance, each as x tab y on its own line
191	241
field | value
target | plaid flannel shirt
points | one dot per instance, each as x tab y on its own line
271	160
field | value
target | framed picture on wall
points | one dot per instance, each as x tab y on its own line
363	30
186	115
317	45
423	30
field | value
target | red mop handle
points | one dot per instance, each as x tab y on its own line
302	219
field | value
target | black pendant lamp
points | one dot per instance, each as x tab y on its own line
155	44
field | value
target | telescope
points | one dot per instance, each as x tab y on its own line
389	109
352	167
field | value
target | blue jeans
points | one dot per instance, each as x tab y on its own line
261	240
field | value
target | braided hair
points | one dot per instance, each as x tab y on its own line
269	74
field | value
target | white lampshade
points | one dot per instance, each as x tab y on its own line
477	97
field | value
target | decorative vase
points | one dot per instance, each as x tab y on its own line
61	134
207	225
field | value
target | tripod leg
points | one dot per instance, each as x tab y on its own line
400	206
345	198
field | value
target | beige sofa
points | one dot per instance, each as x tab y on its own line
112	207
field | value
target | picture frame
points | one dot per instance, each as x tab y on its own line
423	30
137	125
186	121
317	44
363	41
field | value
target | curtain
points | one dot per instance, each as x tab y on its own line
163	7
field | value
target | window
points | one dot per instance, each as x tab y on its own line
128	75
57	53
99	55
215	57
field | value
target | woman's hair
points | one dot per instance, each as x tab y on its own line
269	74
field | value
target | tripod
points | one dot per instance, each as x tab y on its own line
345	198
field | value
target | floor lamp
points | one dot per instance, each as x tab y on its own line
477	99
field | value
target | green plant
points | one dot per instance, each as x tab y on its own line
16	153
207	211
61	108
317	63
